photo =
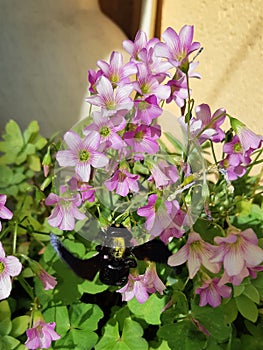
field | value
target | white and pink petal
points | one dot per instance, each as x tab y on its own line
13	266
5	285
179	257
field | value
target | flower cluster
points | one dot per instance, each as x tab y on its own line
118	149
118	169
238	252
141	286
239	149
41	335
123	133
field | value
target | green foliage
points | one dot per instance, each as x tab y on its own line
76	325
21	151
150	311
182	335
129	339
91	315
10	330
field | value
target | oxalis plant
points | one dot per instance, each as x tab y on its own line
194	189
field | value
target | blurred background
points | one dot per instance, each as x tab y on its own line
47	47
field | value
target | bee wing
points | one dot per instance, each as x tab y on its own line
154	250
86	269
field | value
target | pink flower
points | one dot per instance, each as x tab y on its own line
191	72
156	65
107	129
87	191
82	154
195	252
140	43
5	213
48	281
231	172
235	280
41	335
238	250
122	181
177	48
146	110
179	221
93	77
163	174
238	152
152	281
140	286
116	71
65	211
143	139
163	219
206	126
157	218
210	121
10	266
211	292
248	139
134	288
111	100
179	91
235	152
254	270
146	84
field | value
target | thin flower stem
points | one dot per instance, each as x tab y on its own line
15	238
187	280
249	167
35	231
90	110
188	106
188	91
213	152
26	287
4	232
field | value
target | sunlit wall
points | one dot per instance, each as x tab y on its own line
231	62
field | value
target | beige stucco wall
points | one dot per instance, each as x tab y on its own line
46	49
231	62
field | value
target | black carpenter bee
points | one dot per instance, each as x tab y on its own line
114	259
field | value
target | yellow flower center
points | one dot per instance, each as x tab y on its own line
196	246
110	105
145	88
226	163
84	155
121	176
115	78
2	267
238	148
139	136
105	131
142	105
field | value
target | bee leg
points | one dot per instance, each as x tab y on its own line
130	262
